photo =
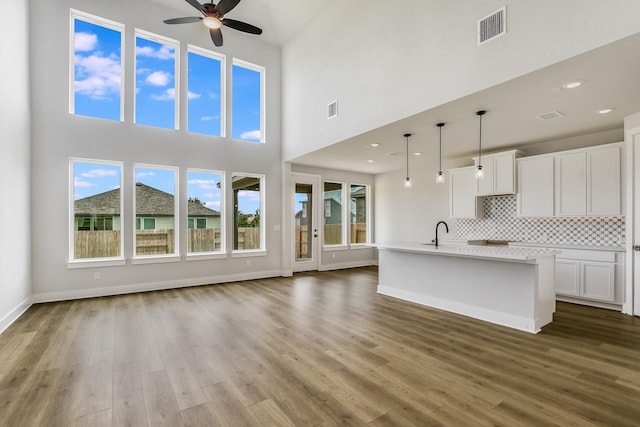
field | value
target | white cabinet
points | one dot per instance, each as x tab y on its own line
462	192
535	186
588	182
499	173
589	274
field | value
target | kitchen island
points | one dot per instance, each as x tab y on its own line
508	286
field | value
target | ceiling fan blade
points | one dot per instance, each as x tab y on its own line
241	26
216	36
186	20
195	4
225	6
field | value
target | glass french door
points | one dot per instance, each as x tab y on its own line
305	222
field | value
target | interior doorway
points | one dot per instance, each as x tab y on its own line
306	247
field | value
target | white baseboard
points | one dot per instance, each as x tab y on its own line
14	314
152	286
343	265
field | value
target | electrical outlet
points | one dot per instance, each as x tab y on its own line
96	275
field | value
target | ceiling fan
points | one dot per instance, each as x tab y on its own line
213	18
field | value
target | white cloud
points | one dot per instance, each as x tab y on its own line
252	135
97	76
249	195
205	184
99	173
80	183
209	118
158	78
144	174
167	95
165	52
193	95
213	205
84	42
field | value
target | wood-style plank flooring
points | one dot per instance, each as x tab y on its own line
316	349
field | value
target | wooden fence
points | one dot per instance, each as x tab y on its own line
332	236
103	244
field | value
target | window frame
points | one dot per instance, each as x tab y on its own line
263	71
344	219
222	253
367	208
73	262
103	22
236	253
223	86
156	258
156	38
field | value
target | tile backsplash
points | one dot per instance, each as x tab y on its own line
501	223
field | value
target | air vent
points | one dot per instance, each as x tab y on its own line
492	26
332	109
550	115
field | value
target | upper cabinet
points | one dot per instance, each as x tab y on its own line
462	192
588	182
499	173
535	186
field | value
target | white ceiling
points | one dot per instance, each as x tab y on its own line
610	76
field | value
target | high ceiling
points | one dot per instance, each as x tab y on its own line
609	73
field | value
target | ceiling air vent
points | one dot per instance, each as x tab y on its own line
332	109
492	26
550	115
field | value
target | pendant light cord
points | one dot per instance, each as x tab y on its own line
480	113
407	135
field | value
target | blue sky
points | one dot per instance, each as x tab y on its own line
97	84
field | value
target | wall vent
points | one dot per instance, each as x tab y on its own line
550	115
332	109
492	26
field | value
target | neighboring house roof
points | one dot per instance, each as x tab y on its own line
149	202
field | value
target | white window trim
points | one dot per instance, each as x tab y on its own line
263	217
223	85
344	214
263	71
167	41
91	262
103	22
367	217
136	259
222	210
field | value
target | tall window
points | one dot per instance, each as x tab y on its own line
248	216
156	210
96	79
247	101
205	96
96	210
156	76
358	212
204	208
334	232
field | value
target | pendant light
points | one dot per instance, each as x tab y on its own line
480	172
439	175
407	180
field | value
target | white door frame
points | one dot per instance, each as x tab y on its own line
632	262
313	263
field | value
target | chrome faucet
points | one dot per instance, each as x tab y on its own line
445	226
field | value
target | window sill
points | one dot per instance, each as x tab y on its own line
248	253
360	246
335	248
94	262
205	256
153	259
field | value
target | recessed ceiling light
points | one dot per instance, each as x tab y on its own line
417	153
374	144
573	84
605	111
370	161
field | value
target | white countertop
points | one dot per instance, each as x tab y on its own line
567	246
497	253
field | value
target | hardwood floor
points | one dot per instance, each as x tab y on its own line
317	349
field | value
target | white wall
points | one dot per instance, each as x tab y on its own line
15	150
57	135
385	61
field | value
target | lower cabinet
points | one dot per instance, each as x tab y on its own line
588	274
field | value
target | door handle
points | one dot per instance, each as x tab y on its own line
315	233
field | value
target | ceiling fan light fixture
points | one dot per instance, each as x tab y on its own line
212	22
